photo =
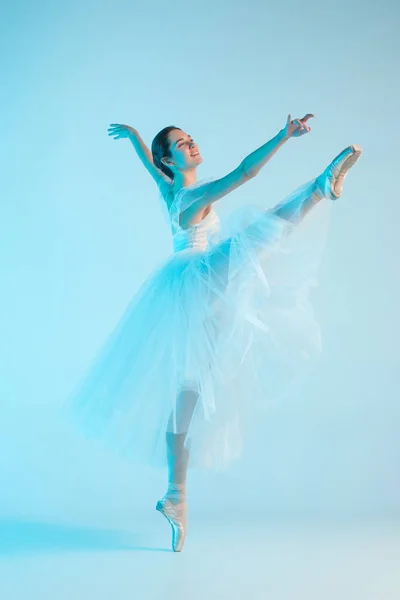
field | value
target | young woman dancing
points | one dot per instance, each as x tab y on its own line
219	327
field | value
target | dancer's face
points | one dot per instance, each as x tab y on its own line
185	154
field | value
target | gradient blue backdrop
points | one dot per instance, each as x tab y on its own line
81	228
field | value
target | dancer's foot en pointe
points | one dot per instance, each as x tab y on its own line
174	508
330	182
328	185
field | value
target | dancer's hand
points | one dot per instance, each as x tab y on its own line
119	132
298	127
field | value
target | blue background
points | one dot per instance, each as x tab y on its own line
81	228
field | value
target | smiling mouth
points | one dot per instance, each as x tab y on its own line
195	154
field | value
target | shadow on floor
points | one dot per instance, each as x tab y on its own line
18	536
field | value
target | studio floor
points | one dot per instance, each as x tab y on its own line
251	557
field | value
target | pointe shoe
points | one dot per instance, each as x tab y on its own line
330	182
176	515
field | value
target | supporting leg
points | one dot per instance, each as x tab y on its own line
173	505
178	425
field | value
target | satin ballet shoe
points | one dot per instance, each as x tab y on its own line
176	515
330	182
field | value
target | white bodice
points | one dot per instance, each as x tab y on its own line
196	236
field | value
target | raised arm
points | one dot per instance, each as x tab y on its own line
248	168
125	131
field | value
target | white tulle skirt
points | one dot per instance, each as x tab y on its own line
209	340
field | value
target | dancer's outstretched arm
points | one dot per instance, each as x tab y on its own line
143	152
254	162
211	191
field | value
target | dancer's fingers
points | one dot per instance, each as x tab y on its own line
120	132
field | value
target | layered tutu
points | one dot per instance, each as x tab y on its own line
214	334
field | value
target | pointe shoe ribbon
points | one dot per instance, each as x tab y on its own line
176	515
330	182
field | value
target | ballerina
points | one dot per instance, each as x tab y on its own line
213	331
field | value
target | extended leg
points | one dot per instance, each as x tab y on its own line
292	209
295	207
328	185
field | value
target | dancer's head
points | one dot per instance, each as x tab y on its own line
175	151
